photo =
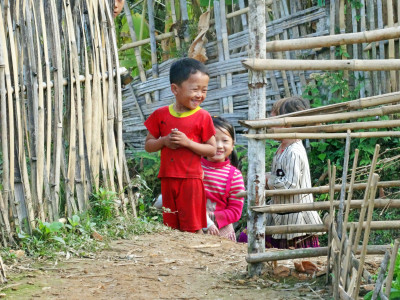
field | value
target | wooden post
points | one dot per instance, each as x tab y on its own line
382	88
256	169
173	15
138	57
185	20
153	45
393	257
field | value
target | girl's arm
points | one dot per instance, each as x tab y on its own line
233	210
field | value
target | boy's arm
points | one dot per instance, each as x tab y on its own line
208	149
153	145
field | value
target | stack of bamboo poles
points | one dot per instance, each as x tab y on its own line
61	110
342	249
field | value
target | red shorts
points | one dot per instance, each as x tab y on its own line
186	200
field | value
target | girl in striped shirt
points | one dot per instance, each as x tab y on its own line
222	181
290	170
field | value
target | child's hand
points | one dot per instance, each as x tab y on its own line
179	139
213	230
169	143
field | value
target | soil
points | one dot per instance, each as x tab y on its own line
167	265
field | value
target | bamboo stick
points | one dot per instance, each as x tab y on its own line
390	20
322	189
40	120
305	253
350	105
373	188
337	127
348	256
225	47
159	37
292	121
153	45
332	22
381	275
138	57
327	65
393	257
343	189
332	179
32	97
357	74
365	56
315	136
382	81
334	40
366	194
309	228
256	171
173	16
184	18
322	205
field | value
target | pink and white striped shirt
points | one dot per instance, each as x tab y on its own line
227	210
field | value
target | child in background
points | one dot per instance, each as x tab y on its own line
222	181
184	133
290	170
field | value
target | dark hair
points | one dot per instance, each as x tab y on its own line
221	123
293	104
182	69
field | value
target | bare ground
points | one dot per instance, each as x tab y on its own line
168	265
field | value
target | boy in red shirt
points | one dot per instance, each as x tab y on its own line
184	133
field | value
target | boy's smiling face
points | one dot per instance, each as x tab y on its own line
190	93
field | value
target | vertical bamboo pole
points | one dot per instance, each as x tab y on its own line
225	45
367	75
393	81
119	157
22	191
142	23
243	16
153	44
58	107
48	90
373	185
284	13
382	88
31	72
332	179
365	200
279	54
173	15
392	265
343	189
40	132
371	23
138	57
342	25
256	169
357	74
347	258
332	22
184	18
224	107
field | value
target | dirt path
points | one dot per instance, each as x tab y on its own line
169	265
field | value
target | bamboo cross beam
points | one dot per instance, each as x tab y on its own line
317	136
305	253
322	189
306	120
159	37
308	228
337	127
343	106
334	40
81	78
325	65
324	205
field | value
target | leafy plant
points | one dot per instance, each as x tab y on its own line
102	203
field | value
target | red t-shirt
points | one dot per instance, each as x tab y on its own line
198	127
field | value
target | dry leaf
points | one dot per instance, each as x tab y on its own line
197	49
97	236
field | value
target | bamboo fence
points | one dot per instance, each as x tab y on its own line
61	110
295	33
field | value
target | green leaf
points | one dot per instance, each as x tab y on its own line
55	226
58	239
322	156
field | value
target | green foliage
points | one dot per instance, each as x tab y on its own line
329	83
102	205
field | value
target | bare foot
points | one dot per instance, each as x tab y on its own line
200	231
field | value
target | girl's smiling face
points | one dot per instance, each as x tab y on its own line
224	145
